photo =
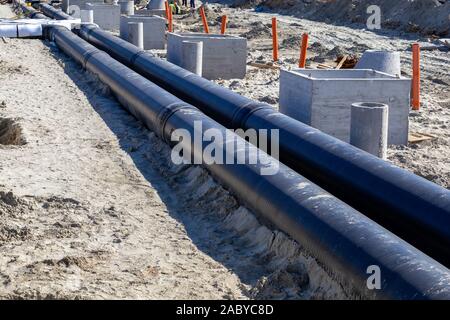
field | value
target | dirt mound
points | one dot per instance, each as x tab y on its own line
425	16
291	42
246	3
9	69
10	132
258	30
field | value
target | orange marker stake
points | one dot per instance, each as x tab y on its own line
166	5
170	20
205	22
304	47
415	91
223	27
274	39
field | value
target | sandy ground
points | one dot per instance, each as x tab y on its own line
6	12
428	159
429	17
91	206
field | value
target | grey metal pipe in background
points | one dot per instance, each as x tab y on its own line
344	241
412	207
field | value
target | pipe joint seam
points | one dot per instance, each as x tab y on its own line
89	55
165	115
242	114
135	56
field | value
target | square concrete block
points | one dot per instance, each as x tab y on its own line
107	16
323	99
224	56
154	30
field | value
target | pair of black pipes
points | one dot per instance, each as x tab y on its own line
56	14
410	206
137	53
346	242
29	11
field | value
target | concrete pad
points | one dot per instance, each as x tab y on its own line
323	99
224	56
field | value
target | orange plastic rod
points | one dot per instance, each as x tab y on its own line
166	5
415	90
205	22
274	39
171	19
304	47
223	27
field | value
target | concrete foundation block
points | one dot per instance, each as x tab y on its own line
127	7
369	127
107	16
323	99
154	30
87	16
136	34
224	56
192	56
383	61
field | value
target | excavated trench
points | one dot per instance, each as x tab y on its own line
11	132
301	273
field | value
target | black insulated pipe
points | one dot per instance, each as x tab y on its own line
54	13
29	11
410	206
344	241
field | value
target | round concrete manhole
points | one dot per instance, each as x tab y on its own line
10	132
